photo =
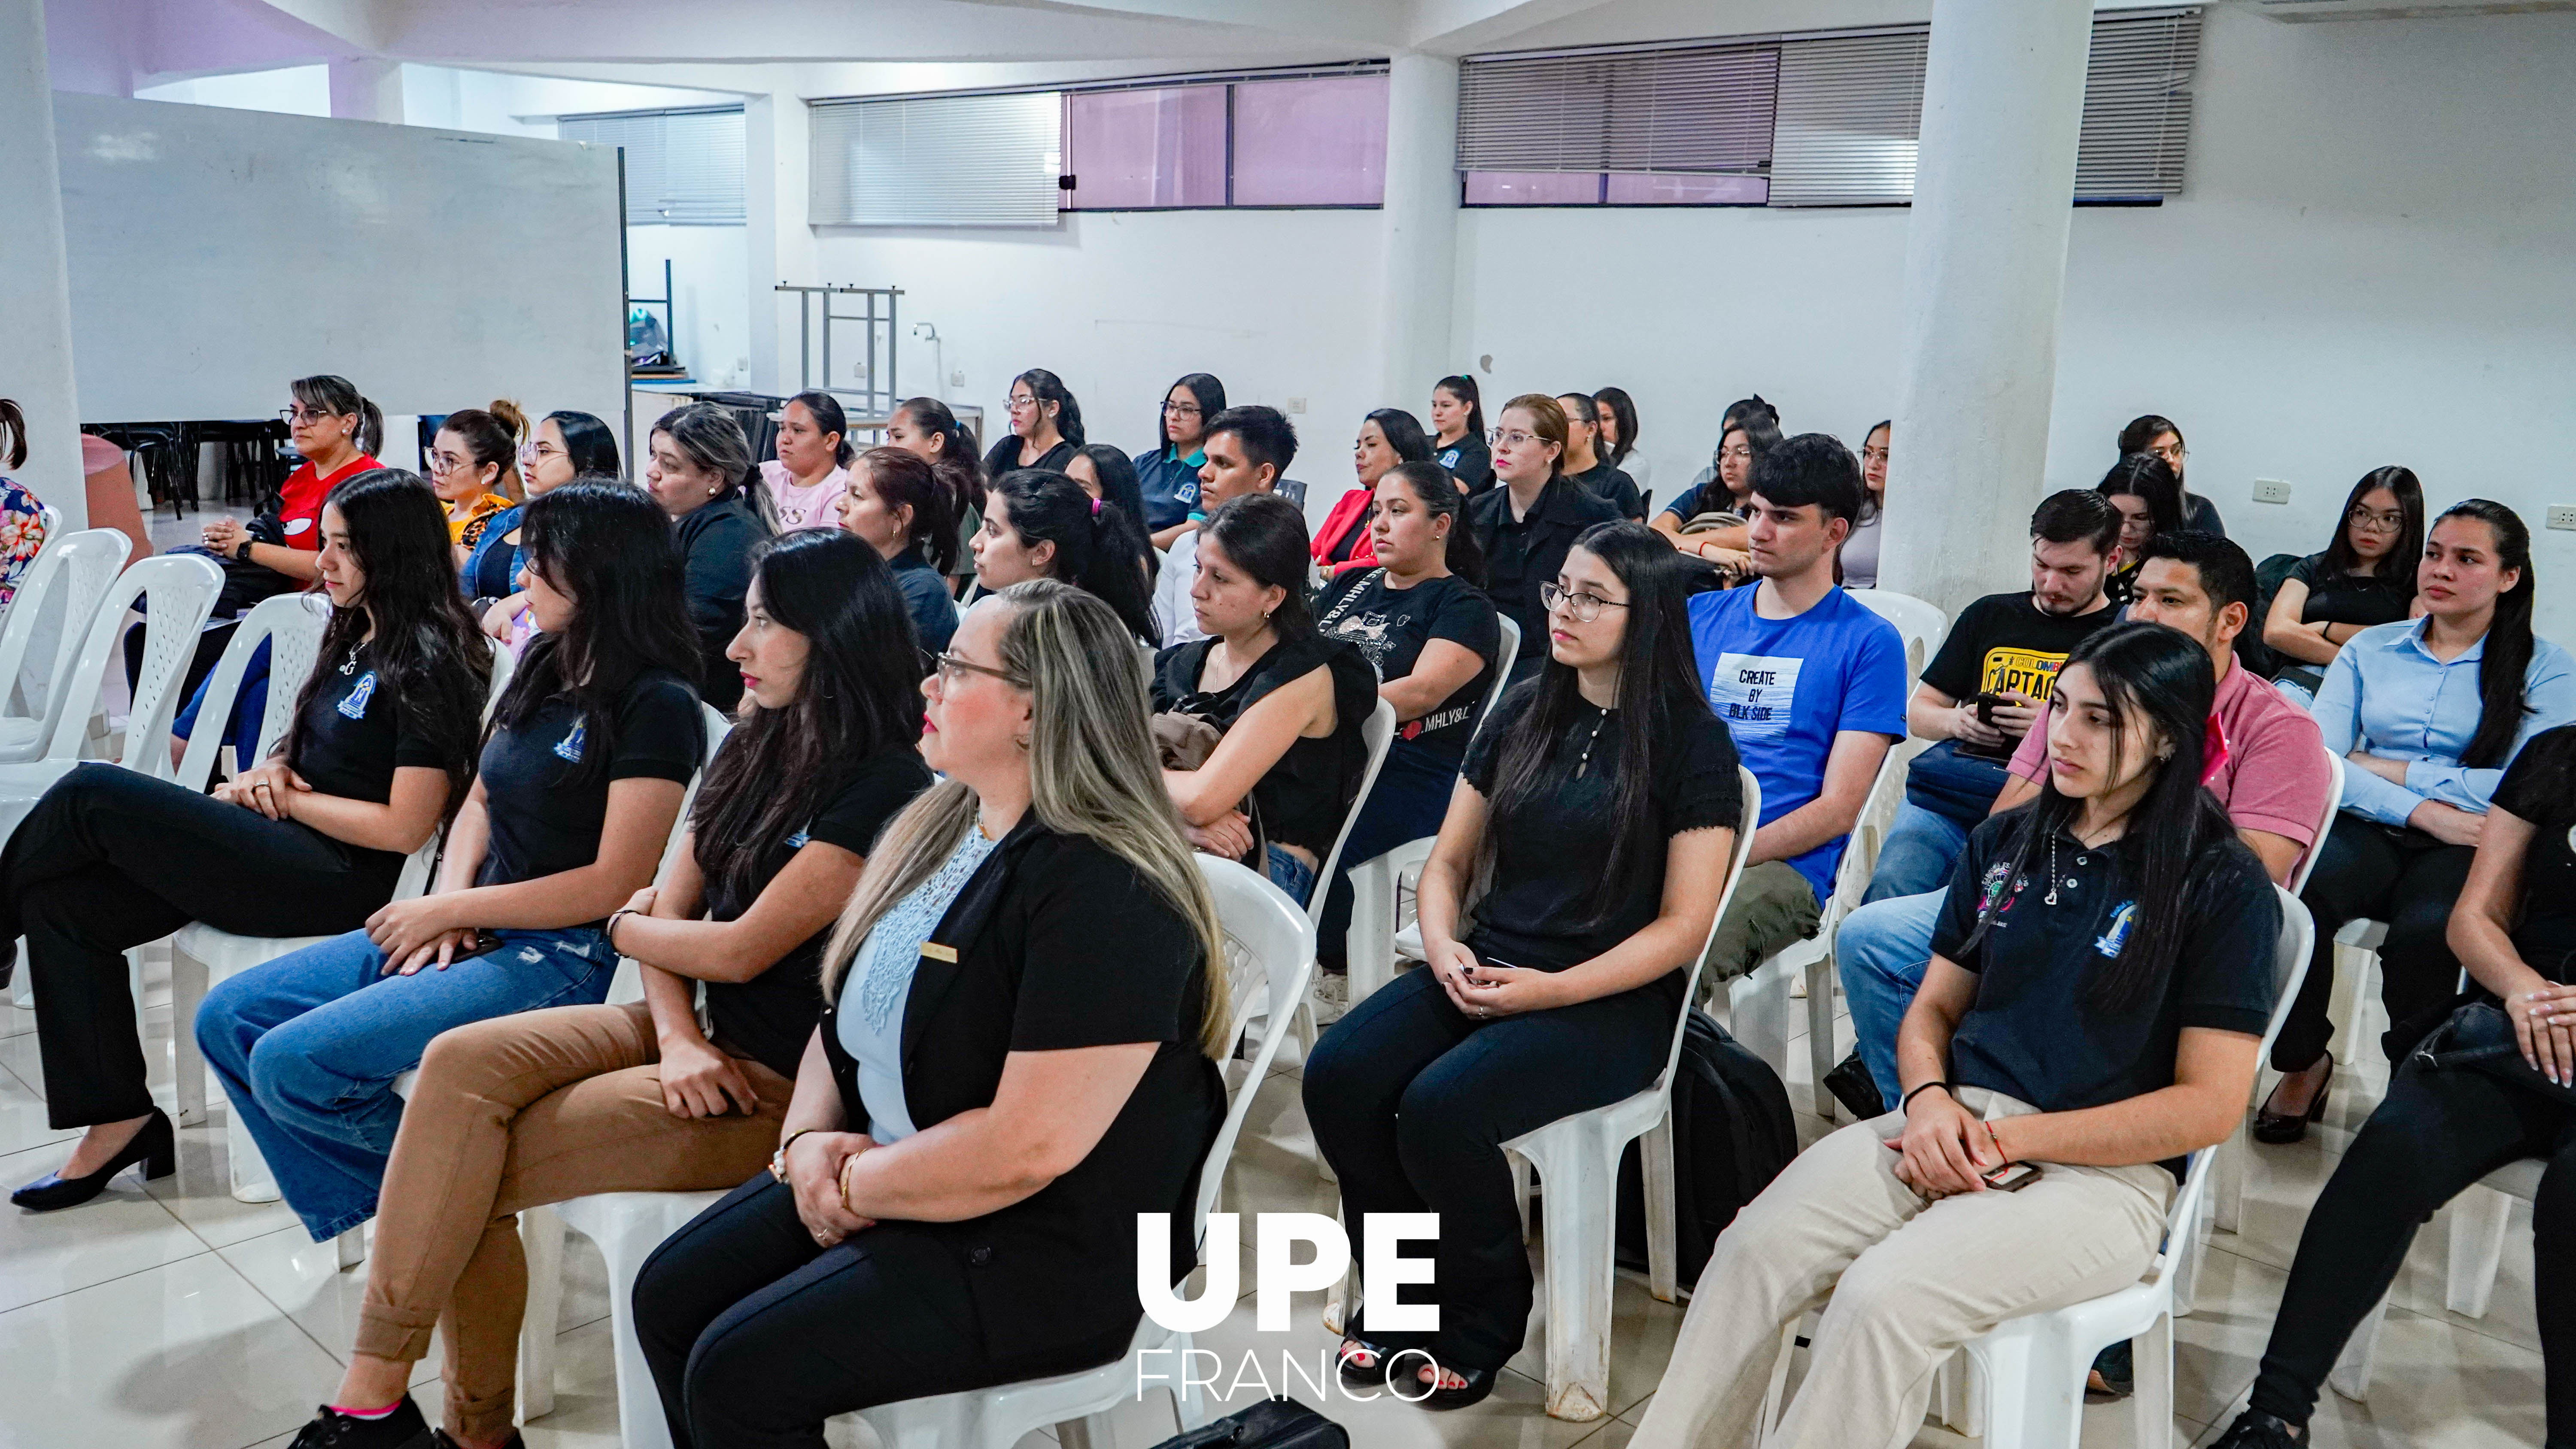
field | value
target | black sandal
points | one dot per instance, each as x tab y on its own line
1371	1374
1474	1385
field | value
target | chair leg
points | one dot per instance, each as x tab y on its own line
2035	1392
1820	977
2477	1249
187	992
1579	1252
251	1179
541	1241
1773	1394
1521	1189
1189	1406
1655	1157
1369	945
2351	1376
639	1404
2152	1404
24	996
2227	1178
350	1248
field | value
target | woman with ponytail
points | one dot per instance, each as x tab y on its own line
474	468
925	428
1046	426
1024	1009
1040	525
802	486
2427	713
336	432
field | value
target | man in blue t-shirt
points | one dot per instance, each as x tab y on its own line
1811	684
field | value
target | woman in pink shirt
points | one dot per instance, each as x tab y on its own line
802	486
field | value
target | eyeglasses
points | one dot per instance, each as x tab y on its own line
1513	439
1176	410
1739	453
299	415
1022	400
2173	454
440	464
951	667
2370	522
1582	607
1868	455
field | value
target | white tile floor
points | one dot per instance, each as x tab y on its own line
182	1318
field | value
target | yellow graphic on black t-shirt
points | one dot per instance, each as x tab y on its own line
2020	671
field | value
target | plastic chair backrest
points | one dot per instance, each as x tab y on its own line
181	589
292	626
1915	619
1377	734
1869	831
49	535
1266	938
2307	865
1507	651
80	570
719	724
1735	863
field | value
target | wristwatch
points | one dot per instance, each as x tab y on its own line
241	550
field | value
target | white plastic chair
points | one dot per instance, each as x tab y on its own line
1271	946
292	626
1915	619
1577	1161
1369	944
1377	735
2035	1366
64	586
49	519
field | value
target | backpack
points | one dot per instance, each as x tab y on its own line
2251	651
1732	1133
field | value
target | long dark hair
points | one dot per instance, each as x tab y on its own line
2396	567
1100	547
426	646
588	443
1871	503
1430	485
1659	701
2162	676
902	480
1463	388
1623	411
1403	434
608	547
1046	387
2144	475
1117	475
1206	391
2141	432
13	427
324	392
2507	656
1264	535
959	467
830	419
856	699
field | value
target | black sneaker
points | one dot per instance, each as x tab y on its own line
1851	1085
404	1428
2115	1375
2255	1429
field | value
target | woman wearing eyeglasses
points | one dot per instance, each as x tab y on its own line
1598	808
1750	428
474	469
1046	426
2364	578
1525	526
336	432
1168	474
565	446
2152	434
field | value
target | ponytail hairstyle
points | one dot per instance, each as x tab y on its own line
590	444
1264	535
1046	387
1463	388
857	698
339	397
2507	656
1403	434
1099	546
608	547
1117	475
2160	677
711	439
958	465
426	643
831	420
1432	487
491	437
901	479
13	434
1092	772
1623	411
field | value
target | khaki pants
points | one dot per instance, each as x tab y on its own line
511	1114
1773	906
1908	1282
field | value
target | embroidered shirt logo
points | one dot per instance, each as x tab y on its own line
570	745
354	703
2118	936
798	840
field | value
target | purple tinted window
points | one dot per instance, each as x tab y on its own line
1628	188
1533	188
1146	148
1310	142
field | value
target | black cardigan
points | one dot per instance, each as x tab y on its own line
716	540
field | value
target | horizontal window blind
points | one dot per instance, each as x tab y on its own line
683	168
2137	105
962	160
1850	110
1697	108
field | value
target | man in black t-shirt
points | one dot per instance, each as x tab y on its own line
1990	683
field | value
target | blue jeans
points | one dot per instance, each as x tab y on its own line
1918	853
309	1044
1407	803
1292	875
1881	951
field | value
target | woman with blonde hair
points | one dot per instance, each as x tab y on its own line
1017	1056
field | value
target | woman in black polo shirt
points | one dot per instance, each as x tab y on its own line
2444	1124
1600	805
2365	577
1046	426
2101	976
699	469
899	507
306	843
1017	1057
550	1105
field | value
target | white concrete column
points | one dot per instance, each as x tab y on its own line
1985	270
1418	259
777	238
367	89
35	286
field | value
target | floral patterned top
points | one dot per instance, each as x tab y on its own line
22	534
468	530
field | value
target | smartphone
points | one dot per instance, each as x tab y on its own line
2012	1176
1489	961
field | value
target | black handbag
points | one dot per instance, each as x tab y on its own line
1270	1424
2479	1037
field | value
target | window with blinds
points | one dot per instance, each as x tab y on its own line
1816	120
958	160
683	168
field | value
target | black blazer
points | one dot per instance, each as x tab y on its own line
716	541
1520	556
1057	943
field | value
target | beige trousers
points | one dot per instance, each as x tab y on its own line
1908	1282
515	1113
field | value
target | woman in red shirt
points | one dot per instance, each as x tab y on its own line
337	433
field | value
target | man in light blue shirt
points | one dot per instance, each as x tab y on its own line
1812	686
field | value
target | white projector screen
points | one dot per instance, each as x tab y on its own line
217	255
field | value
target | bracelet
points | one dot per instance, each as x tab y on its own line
1908	1099
841	1180
608	930
778	1159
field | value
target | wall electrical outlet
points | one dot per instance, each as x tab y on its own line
2271	490
1296	404
957	378
2562	517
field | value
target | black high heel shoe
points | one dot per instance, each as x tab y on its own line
1477	1383
154	1145
2282	1128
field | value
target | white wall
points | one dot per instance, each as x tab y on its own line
708	267
295	90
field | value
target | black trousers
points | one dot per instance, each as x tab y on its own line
756	1334
1411	1101
110	859
2367	871
2436	1133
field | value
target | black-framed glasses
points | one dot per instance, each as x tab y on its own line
2364	518
1180	410
950	666
299	415
1582	607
